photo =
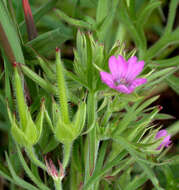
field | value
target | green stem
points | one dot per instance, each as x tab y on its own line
61	88
92	141
34	159
58	184
67	153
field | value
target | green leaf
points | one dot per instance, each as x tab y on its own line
171	16
102	10
125	144
17	179
137	182
44	46
173	82
103	26
72	21
174	128
29	172
99	173
146	12
146	104
125	178
8	36
162	44
37	79
170	62
159	76
130	26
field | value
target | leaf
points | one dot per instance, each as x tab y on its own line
44	46
146	12
137	182
173	82
162	44
171	16
17	179
99	173
37	79
143	165
8	37
146	103
170	62
29	172
72	21
159	76
102	10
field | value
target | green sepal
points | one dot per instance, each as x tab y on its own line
18	134
79	119
22	107
39	121
67	133
31	131
64	132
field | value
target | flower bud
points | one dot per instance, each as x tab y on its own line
26	132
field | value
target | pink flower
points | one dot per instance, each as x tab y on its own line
56	175
166	141
123	74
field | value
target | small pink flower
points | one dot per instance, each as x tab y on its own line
56	175
166	141
123	74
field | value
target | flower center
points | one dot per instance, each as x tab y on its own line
122	81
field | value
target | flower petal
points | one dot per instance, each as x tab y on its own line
122	88
123	65
137	82
130	67
117	66
161	133
166	141
107	79
134	68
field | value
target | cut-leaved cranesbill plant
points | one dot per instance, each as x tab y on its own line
82	96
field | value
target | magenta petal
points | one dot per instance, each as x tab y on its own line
107	79
122	88
130	67
117	67
123	66
137	82
166	141
161	133
134	68
114	67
